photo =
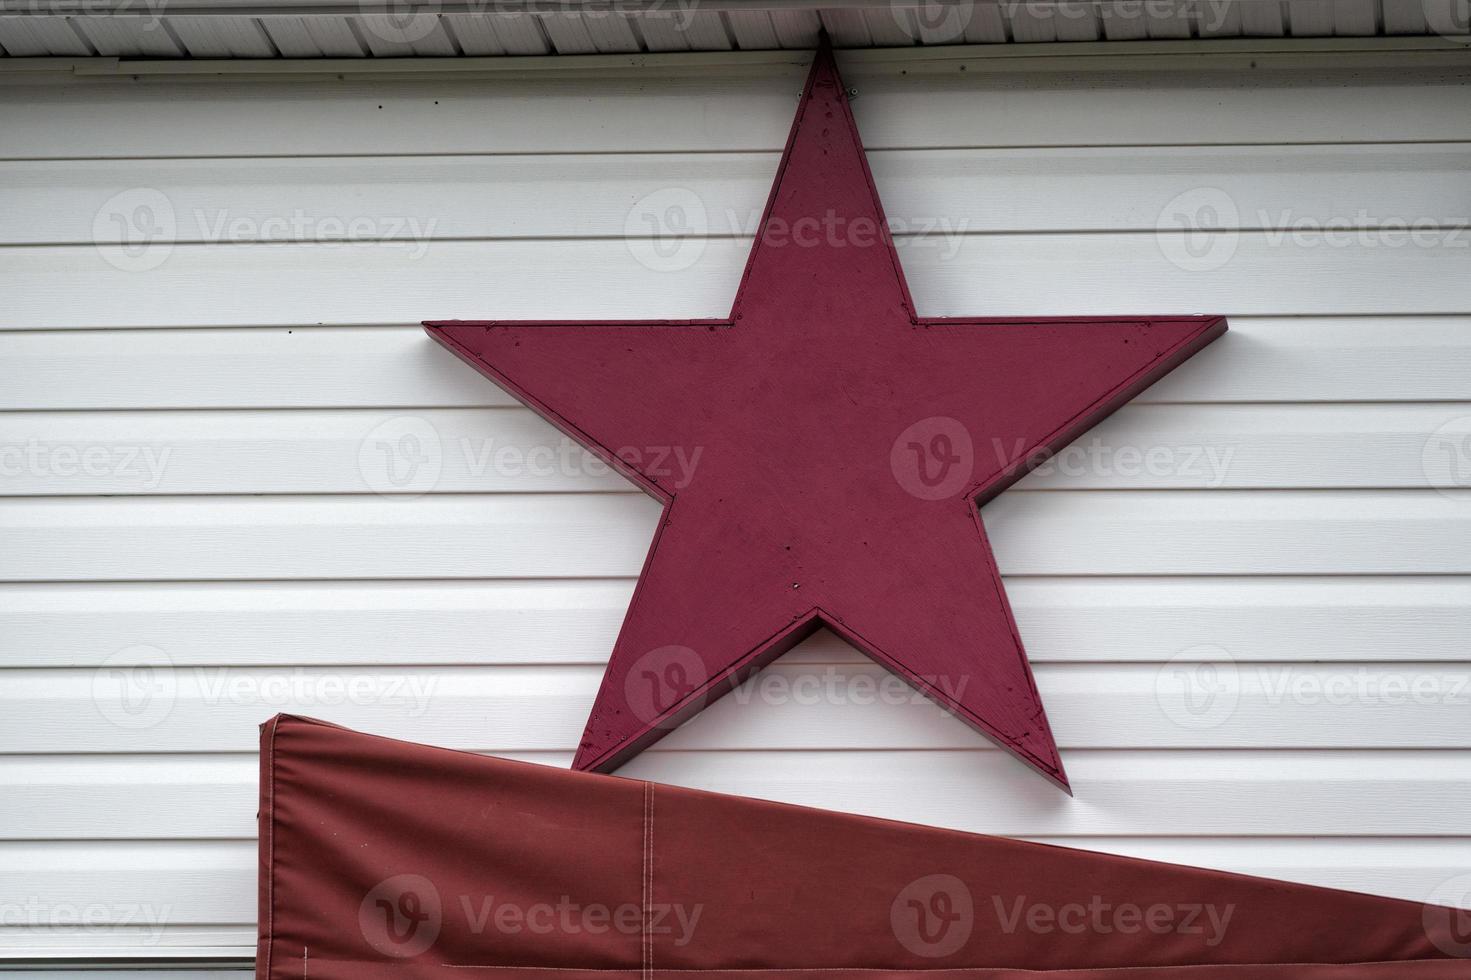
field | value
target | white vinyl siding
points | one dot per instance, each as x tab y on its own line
1280	520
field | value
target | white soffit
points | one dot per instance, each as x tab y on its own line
215	29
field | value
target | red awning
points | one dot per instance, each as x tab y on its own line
381	858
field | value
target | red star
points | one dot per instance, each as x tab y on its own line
832	451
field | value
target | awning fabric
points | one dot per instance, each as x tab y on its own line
381	858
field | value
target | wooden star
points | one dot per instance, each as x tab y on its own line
836	447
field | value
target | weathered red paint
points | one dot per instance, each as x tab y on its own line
835	447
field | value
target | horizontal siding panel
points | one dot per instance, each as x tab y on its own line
414	624
1399	869
1122	108
1124	274
608	195
189	883
1129	794
603	535
113	973
143	945
213	882
1260	360
324	116
1148	447
359	282
102	973
125	707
